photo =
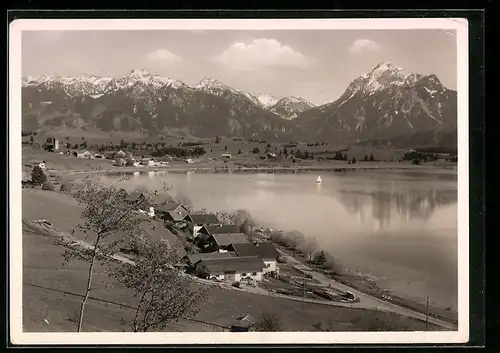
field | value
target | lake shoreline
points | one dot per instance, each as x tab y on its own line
270	170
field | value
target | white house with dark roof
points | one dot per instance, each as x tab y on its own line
193	259
221	242
198	221
172	211
232	269
266	251
219	229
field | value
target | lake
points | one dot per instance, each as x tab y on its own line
398	226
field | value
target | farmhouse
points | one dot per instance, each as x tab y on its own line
266	251
226	156
198	221
172	211
147	162
82	154
219	229
231	269
221	242
193	259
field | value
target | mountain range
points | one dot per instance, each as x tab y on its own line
382	103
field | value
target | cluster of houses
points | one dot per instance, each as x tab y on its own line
226	254
118	158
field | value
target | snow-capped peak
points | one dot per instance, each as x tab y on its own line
290	107
380	77
208	82
266	100
213	86
139	74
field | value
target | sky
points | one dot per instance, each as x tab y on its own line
316	65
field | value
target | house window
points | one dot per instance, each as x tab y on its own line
268	265
254	274
243	274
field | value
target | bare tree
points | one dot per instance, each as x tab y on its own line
268	322
243	219
226	217
294	239
106	213
308	248
163	293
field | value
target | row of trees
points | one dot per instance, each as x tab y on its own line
298	243
179	152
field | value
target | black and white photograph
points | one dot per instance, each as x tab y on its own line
238	181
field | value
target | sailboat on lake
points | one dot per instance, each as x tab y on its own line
318	180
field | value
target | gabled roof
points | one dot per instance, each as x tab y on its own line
231	238
208	218
168	207
266	251
194	258
222	229
237	264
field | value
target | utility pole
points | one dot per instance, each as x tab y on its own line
304	293
427	315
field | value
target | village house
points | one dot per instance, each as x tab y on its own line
109	155
120	162
41	164
172	211
82	154
52	144
193	259
226	156
147	162
266	251
119	154
221	242
198	221
231	269
219	229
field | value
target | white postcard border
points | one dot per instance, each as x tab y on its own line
460	26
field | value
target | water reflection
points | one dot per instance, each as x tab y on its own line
389	206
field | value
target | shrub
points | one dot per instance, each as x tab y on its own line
268	322
66	187
48	186
38	177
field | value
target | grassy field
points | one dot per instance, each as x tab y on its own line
42	266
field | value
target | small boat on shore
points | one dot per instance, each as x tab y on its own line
318	180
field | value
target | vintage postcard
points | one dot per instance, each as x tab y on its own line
239	181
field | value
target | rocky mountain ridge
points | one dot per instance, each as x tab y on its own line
382	103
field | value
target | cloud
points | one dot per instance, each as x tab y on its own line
261	54
163	55
360	46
